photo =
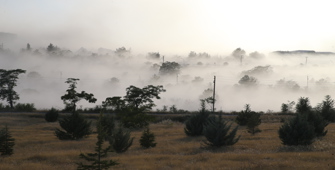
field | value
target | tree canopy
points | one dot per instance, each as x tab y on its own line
8	79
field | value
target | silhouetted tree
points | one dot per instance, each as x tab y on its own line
238	53
51	115
326	109
194	125
8	80
120	140
72	97
253	123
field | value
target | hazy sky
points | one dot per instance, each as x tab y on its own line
173	26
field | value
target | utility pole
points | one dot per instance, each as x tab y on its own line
177	78
307	83
241	59
163	59
214	94
306	61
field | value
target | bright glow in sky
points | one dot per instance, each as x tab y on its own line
173	26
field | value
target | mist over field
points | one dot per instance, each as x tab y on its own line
88	35
107	73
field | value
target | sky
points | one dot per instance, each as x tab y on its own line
172	26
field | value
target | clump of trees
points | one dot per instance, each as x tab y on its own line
305	126
250	119
130	109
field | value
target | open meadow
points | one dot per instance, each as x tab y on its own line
36	147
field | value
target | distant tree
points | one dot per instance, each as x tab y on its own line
169	68
122	52
256	55
75	127
147	139
248	81
238	53
96	158
153	55
259	70
8	80
108	125
28	47
297	131
6	142
303	105
52	48
244	116
287	85
192	54
72	97
218	133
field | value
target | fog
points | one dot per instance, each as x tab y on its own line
88	33
44	81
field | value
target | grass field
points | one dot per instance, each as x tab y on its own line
37	148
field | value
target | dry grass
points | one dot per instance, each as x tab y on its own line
37	148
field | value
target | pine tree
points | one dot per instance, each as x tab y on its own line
6	142
297	131
194	125
253	123
218	133
96	158
108	125
243	116
75	126
121	140
147	139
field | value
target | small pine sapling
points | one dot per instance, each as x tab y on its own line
121	141
147	139
218	133
76	127
253	123
96	158
6	142
297	131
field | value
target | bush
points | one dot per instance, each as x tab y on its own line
25	107
297	131
51	115
136	121
121	141
195	124
75	126
6	142
218	133
147	139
